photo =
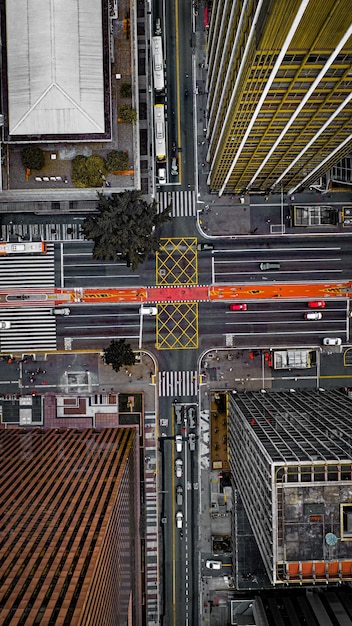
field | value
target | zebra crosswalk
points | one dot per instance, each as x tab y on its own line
182	383
29	271
183	202
45	231
32	328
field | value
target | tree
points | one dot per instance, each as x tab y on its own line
33	157
116	161
88	171
125	225
127	114
119	354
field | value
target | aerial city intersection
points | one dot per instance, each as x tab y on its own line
208	479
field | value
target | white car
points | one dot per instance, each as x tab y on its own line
332	341
314	315
213	564
178	468
162	176
64	311
179	519
148	310
4	325
178	443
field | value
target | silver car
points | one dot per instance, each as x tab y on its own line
178	468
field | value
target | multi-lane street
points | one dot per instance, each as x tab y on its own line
325	259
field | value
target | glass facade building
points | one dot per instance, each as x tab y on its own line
69	542
279	92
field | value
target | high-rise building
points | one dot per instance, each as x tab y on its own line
279	92
70	527
291	461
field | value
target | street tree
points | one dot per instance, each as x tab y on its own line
118	354
33	157
125	225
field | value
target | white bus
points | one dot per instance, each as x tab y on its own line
159	130
25	247
158	63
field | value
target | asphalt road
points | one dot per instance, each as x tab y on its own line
272	323
180	562
325	259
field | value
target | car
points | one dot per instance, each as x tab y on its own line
192	441
269	266
179	495
64	311
213	564
179	414
174	168
178	443
148	310
5	325
191	414
332	341
205	246
316	304
158	26
179	519
178	468
162	176
238	307
314	315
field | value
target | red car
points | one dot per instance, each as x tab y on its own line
317	304
238	307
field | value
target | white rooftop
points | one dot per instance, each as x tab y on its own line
55	67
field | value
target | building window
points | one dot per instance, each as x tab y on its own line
346	534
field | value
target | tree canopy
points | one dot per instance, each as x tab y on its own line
33	157
119	354
88	171
125	225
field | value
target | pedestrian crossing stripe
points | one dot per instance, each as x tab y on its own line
45	231
181	383
183	202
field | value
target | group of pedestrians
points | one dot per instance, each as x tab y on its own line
34	373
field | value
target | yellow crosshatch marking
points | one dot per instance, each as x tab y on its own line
177	262
177	326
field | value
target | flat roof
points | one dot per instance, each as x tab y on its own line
55	77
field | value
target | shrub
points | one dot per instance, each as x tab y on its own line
116	161
88	171
127	114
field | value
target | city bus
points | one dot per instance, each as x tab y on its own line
25	247
158	64
159	130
